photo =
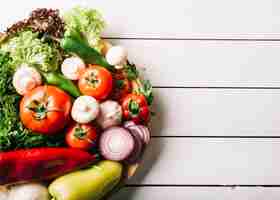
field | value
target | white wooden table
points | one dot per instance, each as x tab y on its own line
215	66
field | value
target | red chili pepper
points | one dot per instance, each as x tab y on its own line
135	108
41	163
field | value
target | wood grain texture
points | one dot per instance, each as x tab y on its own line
194	44
197	193
215	112
172	19
215	161
207	63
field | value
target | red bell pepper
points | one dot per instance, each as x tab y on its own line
136	108
41	163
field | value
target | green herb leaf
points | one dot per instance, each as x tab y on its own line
145	87
119	84
131	71
6	73
13	135
147	90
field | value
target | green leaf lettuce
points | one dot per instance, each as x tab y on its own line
87	22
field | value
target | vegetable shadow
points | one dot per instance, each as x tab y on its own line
152	153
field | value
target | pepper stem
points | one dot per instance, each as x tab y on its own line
133	107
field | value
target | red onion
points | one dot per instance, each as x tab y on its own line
116	144
141	130
127	124
138	147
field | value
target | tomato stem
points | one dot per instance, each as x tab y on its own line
41	109
92	79
80	133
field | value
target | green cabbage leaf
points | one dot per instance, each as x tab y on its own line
26	47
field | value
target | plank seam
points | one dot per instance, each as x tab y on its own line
202	185
215	136
194	39
217	87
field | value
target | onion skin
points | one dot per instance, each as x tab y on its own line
116	144
138	149
141	130
127	124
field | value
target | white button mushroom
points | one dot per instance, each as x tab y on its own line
85	109
26	78
117	56
29	191
72	67
110	114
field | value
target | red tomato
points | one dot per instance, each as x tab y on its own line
122	86
45	109
96	81
135	108
81	136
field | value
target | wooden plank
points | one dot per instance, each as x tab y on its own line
196	63
216	112
197	193
207	63
173	19
210	161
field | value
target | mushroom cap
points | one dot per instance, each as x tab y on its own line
116	55
26	78
71	67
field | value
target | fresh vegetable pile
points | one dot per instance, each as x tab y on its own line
73	110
